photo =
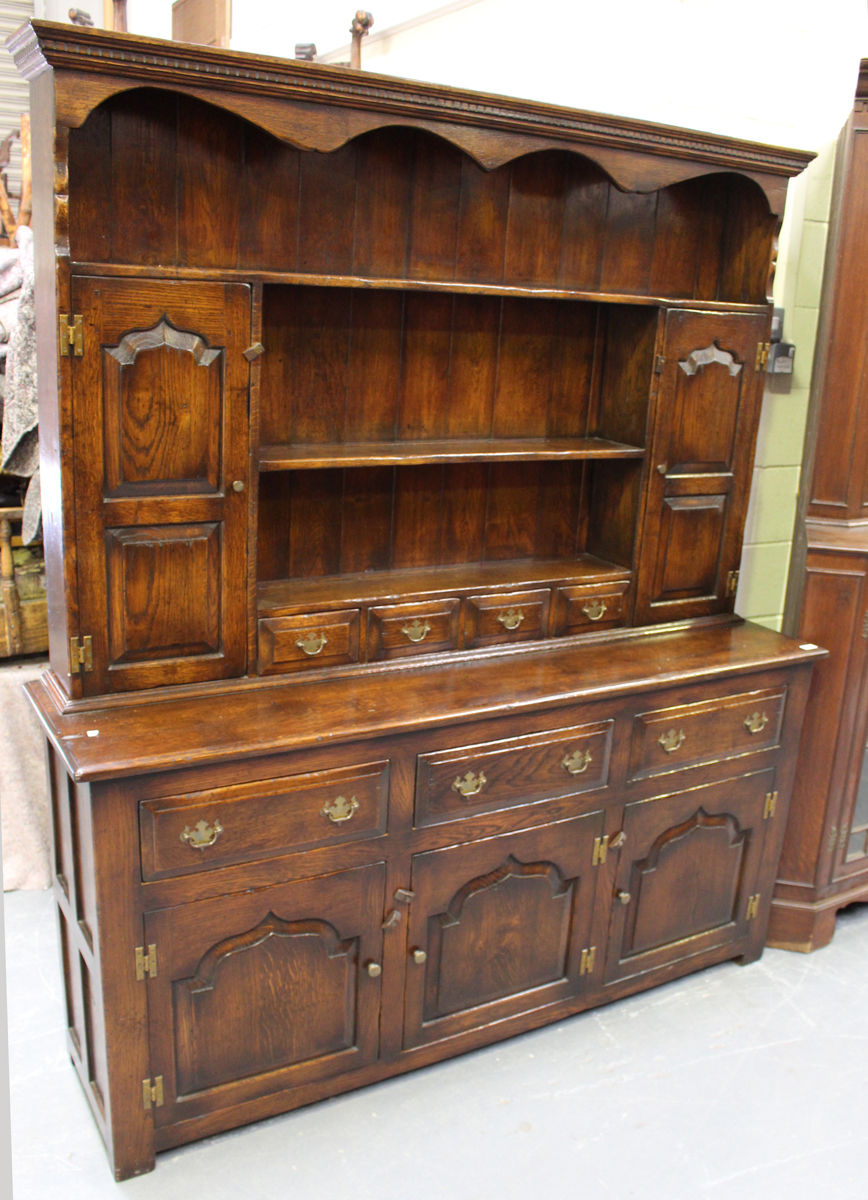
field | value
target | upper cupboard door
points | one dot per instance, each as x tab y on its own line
701	462
161	483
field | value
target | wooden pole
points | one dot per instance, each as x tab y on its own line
362	22
25	205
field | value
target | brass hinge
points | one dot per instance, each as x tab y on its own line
659	365
586	965
770	805
601	849
865	625
762	355
731	583
80	654
71	334
753	906
152	1093
146	964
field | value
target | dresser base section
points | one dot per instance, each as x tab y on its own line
281	1102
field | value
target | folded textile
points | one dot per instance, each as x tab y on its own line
19	454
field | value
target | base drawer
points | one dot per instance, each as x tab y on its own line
454	784
250	821
309	640
723	727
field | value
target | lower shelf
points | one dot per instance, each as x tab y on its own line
334	591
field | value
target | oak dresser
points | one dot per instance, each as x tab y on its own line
396	447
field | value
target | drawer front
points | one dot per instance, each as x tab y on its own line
506	617
250	821
578	609
309	640
725	727
420	628
454	784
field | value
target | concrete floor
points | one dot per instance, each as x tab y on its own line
735	1084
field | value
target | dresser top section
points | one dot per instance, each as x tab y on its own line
255	720
340	103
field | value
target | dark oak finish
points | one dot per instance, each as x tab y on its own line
825	859
354	518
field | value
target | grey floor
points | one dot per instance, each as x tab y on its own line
733	1083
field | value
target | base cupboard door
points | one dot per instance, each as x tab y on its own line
499	927
687	873
264	991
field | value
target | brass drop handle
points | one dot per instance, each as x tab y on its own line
511	618
576	762
671	739
202	834
755	722
419	956
373	969
594	610
470	785
312	643
416	631
624	897
340	809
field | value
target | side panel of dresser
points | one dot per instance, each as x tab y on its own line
595	887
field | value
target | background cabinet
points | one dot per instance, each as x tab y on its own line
825	859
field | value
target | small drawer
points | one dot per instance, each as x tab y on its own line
419	628
589	606
251	821
506	617
309	640
453	784
725	727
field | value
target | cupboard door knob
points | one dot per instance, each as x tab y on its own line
671	739
470	785
416	631
373	969
312	643
419	956
624	897
616	842
238	485
511	618
755	722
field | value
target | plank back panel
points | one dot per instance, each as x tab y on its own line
208	189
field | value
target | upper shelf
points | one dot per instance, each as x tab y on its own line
458	450
394	283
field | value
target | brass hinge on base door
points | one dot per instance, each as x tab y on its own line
762	355
753	906
146	964
601	849
586	964
770	805
71	334
80	654
731	583
152	1093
